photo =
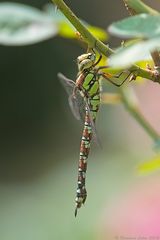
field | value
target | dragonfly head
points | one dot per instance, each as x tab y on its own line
86	61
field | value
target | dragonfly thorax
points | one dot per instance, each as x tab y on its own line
86	61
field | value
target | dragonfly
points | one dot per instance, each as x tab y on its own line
84	100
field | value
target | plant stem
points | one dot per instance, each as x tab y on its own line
137	7
132	106
92	41
156	58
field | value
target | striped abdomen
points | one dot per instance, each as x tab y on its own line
91	88
82	166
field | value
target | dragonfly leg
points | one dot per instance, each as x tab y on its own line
115	76
107	77
99	59
101	67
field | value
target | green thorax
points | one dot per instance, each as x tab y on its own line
91	83
92	87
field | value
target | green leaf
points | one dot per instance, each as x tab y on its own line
149	166
135	53
66	30
98	33
139	26
22	25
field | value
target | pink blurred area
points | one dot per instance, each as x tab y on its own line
135	214
149	99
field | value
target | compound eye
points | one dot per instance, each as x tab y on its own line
90	56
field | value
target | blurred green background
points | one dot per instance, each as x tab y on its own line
40	140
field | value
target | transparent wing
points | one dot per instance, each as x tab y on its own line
67	83
74	107
78	103
75	100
